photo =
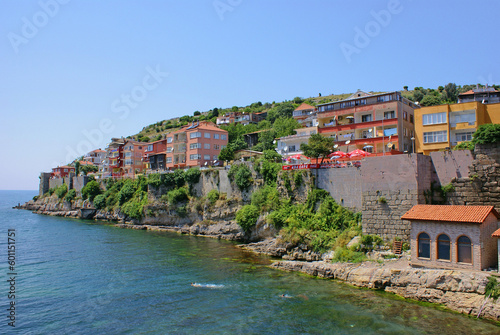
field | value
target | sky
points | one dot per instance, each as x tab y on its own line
74	73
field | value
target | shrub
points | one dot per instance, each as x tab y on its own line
70	196
177	195
181	211
35	198
344	255
247	217
242	176
51	190
447	188
100	201
192	175
382	200
269	171
61	191
487	133
155	180
297	178
133	209
91	190
213	196
126	192
492	288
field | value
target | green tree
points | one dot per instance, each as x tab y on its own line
91	190
285	126
77	168
450	93
430	100
417	95
266	139
247	217
196	113
487	133
317	146
226	154
86	169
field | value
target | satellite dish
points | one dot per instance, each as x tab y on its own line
348	141
389	145
335	146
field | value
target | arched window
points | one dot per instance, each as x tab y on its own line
464	250
424	245
443	242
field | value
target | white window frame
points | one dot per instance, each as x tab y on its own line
434	118
435	136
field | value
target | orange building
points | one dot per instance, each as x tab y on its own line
62	171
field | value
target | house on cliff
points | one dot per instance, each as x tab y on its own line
453	237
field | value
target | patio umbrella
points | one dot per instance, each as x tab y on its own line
358	153
337	154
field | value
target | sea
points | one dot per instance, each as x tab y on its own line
70	276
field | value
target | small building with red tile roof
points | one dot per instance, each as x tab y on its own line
496	235
453	237
62	171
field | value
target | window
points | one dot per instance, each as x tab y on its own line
140	148
169	159
465	116
216	146
223	137
216	136
223	146
434	118
464	250
291	148
195	157
411	119
169	149
195	135
389	115
366	118
206	146
128	154
215	157
195	146
206	157
169	139
150	147
424	245
459	137
405	131
128	162
384	98
207	135
436	136
443	242
65	170
405	116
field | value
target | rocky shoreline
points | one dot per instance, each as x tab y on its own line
459	291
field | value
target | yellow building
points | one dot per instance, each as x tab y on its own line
444	126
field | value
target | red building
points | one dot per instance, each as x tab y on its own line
62	171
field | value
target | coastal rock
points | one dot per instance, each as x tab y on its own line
459	291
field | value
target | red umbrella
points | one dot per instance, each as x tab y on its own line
358	153
337	154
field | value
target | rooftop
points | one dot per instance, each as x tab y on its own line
453	213
304	106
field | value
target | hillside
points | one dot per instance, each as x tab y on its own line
425	96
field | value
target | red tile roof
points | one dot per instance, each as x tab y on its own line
304	106
453	213
496	233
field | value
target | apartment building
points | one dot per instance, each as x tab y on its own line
62	171
95	157
124	158
240	117
444	126
198	144
372	122
485	95
290	145
305	115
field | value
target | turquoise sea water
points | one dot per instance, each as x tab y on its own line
83	277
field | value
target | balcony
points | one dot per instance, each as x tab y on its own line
180	138
359	125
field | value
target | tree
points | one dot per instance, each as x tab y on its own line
405	88
196	113
226	154
89	168
430	100
91	190
417	95
440	89
487	133
77	168
317	146
266	139
450	93
285	126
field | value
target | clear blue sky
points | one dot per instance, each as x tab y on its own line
67	67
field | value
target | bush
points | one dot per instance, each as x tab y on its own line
155	180
492	288
35	198
247	217
192	175
70	196
177	195
242	176
269	171
133	209
100	201
51	190
126	192
61	191
91	190
345	255
487	133
213	196
464	146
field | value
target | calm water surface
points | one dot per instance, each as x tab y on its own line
81	277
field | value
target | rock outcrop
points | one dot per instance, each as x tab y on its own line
457	290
